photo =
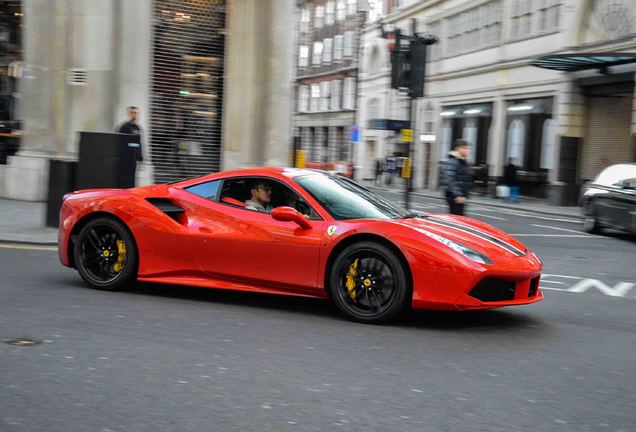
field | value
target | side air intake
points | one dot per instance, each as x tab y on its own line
169	208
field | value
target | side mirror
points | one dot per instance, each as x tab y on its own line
289	214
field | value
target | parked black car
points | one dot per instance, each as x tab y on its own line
609	201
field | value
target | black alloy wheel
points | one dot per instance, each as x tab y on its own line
106	255
369	283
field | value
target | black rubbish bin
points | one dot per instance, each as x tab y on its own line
61	182
107	160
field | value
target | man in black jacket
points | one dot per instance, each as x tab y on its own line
132	127
456	178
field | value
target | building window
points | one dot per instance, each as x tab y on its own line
315	97
352	7
547	145
348	44
331	11
548	14
521	19
517	142
324	96
303	56
474	29
349	99
327	50
319	16
305	17
338	45
376	10
303	98
336	93
428	119
341	10
317	54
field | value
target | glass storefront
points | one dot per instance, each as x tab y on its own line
10	73
187	87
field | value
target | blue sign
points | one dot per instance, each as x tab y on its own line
355	134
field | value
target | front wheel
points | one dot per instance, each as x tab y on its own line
590	223
106	254
369	283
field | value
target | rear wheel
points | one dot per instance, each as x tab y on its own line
369	283
106	255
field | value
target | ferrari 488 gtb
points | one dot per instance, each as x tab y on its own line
296	232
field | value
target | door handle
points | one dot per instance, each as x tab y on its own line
205	230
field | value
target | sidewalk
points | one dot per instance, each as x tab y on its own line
23	221
527	205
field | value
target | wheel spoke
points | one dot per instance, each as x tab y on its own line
94	240
91	260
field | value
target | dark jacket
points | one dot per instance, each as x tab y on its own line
456	177
510	175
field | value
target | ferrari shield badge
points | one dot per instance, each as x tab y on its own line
331	230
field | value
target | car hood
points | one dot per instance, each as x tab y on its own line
475	234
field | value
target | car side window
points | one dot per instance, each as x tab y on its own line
238	193
207	190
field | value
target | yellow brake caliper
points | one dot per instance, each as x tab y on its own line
121	256
351	279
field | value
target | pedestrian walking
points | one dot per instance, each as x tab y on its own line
390	167
378	172
510	180
456	178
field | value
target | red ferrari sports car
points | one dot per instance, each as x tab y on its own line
296	232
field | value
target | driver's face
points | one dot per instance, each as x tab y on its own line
263	193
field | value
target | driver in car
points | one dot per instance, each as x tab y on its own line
261	197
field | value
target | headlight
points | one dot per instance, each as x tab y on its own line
458	247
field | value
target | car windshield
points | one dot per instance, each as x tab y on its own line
345	199
612	176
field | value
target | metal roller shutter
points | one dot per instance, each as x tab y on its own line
608	133
187	88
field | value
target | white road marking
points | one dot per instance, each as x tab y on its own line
620	289
27	247
486	216
556	228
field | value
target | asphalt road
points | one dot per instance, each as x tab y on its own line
169	358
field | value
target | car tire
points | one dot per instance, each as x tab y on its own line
369	283
106	255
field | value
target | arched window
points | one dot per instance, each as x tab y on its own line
547	145
470	134
517	141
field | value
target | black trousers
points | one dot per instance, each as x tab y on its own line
455	208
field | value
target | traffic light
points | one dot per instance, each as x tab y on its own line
417	67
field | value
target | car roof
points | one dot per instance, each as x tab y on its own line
276	172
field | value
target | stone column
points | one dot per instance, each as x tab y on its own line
258	83
60	35
133	35
570	119
497	138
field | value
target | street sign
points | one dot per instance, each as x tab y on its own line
355	134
